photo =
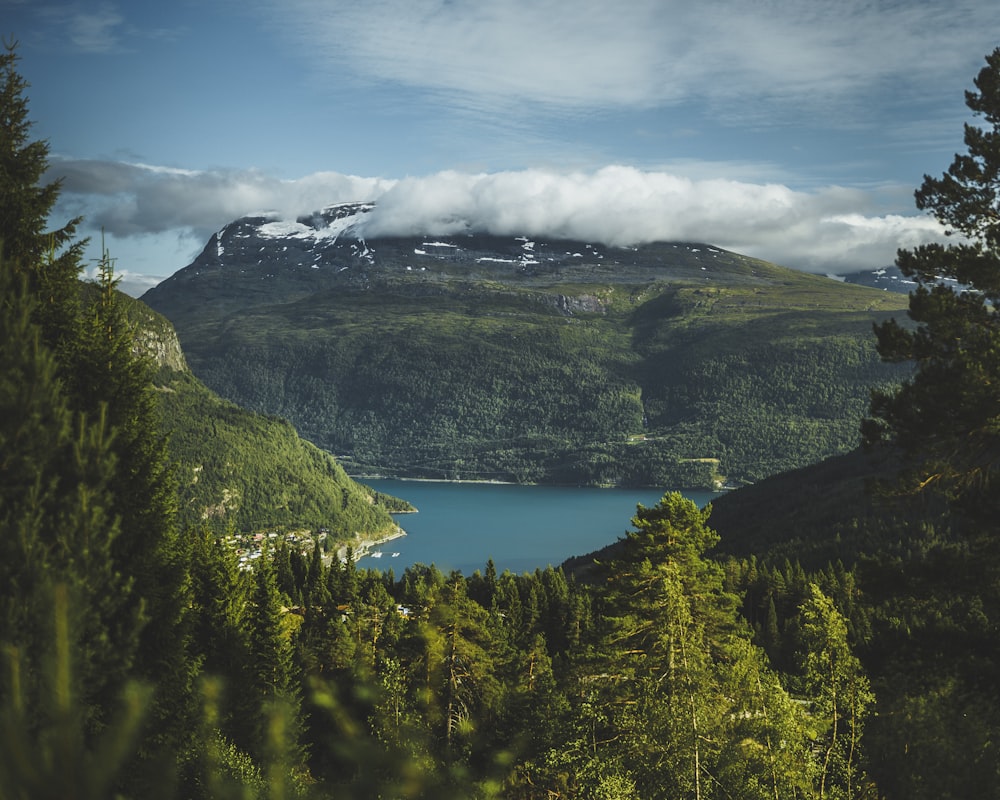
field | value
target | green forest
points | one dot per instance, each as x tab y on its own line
826	633
248	471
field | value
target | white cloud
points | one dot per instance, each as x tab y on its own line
749	57
823	230
129	199
95	30
86	27
618	205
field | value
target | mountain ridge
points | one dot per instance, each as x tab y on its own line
328	249
529	359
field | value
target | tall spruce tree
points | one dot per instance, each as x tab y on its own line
676	701
947	416
109	380
272	679
941	621
50	259
108	397
840	698
56	522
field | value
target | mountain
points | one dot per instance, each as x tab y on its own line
518	358
242	469
888	279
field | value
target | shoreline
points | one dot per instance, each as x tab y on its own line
483	481
363	478
363	547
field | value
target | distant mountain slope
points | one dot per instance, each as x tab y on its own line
473	356
814	515
889	279
240	468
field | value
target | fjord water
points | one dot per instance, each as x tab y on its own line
462	525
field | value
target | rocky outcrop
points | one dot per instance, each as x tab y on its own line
155	337
585	303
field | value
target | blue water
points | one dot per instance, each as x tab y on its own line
461	525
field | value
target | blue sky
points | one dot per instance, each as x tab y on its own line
792	130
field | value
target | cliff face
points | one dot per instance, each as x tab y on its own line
162	346
154	336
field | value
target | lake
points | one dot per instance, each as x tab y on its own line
462	525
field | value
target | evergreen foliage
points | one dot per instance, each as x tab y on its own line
50	259
946	422
913	517
108	378
946	416
57	526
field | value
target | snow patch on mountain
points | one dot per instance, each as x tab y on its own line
329	224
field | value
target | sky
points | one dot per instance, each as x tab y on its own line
790	130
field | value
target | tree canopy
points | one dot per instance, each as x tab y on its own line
947	416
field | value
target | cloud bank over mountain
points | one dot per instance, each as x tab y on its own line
823	230
623	206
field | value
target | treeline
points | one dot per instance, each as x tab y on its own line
641	681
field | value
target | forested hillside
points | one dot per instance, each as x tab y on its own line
663	365
238	470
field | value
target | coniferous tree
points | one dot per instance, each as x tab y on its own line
272	678
56	523
941	620
840	695
127	572
219	594
677	702
110	378
947	417
50	259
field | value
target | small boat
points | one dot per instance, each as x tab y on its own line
395	555
377	554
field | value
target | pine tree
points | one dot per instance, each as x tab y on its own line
272	677
840	696
50	259
945	421
455	669
220	593
132	577
947	417
56	520
678	702
110	379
